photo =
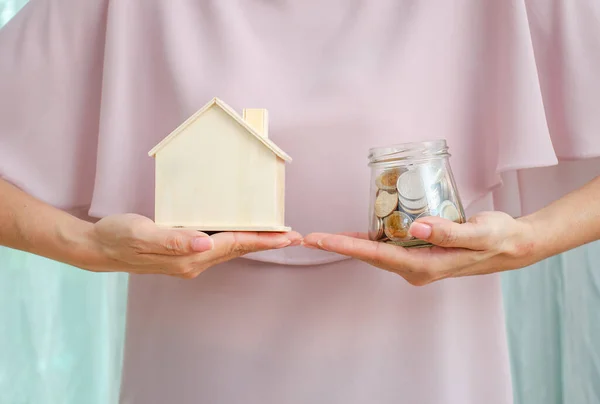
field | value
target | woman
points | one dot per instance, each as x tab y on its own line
94	85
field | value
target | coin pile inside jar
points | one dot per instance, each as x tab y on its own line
405	194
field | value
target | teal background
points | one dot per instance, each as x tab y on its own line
553	325
62	332
62	329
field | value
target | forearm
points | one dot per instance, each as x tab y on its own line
30	225
569	222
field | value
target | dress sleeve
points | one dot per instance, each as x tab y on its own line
565	36
51	58
540	164
544	89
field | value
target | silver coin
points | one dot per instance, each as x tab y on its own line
425	214
431	201
410	186
432	174
376	230
445	189
435	197
418	181
412	212
413	207
448	210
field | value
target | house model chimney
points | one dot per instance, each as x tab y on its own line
258	119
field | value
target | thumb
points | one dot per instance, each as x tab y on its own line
446	233
180	242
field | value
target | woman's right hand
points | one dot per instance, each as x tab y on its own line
135	244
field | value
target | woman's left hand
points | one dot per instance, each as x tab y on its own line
489	242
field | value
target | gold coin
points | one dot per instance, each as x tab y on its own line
414	243
385	203
396	226
387	180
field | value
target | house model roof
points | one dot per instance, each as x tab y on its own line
234	115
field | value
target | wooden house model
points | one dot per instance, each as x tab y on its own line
218	171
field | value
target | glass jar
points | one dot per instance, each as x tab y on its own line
409	181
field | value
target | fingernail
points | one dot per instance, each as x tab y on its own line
420	230
284	244
320	244
202	243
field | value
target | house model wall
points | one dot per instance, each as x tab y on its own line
219	171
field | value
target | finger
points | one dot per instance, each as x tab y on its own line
311	242
312	239
229	245
446	233
355	234
177	242
380	254
419	266
235	244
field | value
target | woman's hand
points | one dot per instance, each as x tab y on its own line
489	242
120	243
133	243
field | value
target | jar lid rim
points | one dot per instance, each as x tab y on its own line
436	146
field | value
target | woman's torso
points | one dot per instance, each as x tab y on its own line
337	79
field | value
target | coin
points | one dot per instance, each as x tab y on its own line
410	186
385	203
425	214
415	243
416	207
435	197
387	180
432	173
448	210
413	207
445	188
416	182
376	230
396	226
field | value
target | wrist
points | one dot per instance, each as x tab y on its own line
79	245
535	238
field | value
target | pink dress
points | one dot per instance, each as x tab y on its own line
87	88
